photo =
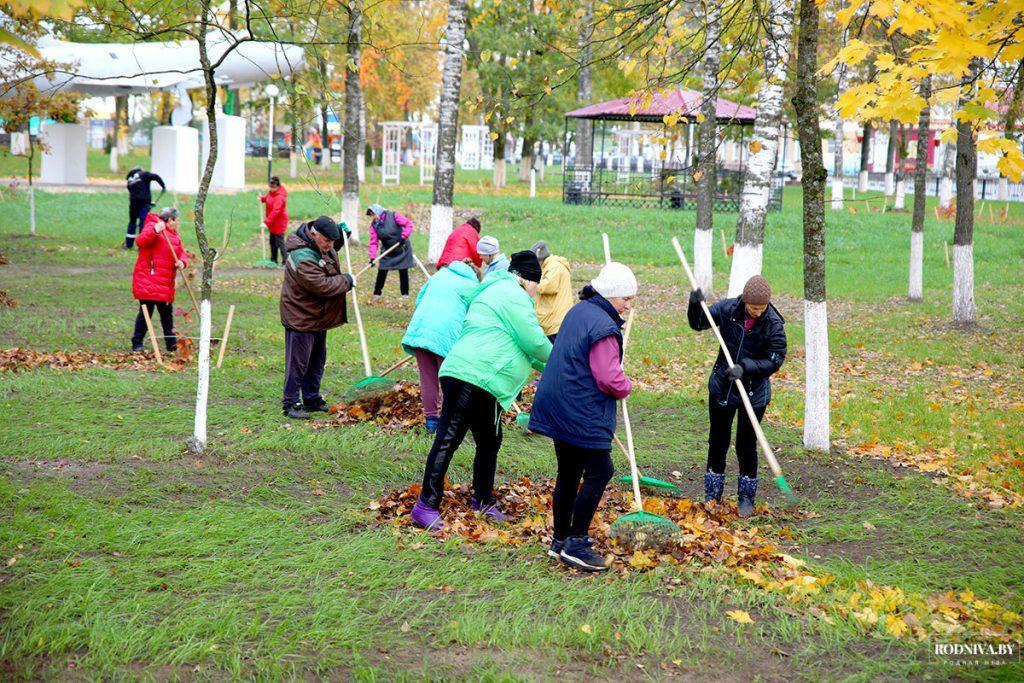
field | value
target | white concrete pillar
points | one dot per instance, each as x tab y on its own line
63	159
229	171
176	157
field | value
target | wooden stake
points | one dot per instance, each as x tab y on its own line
419	263
607	248
224	339
725	249
152	334
945	248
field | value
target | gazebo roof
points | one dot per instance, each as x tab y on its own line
683	101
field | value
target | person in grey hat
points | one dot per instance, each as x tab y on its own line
754	332
490	254
312	302
386	229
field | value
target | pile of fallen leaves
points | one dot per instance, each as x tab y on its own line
6	300
710	540
16	359
398	409
706	533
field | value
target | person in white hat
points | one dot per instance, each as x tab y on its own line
575	406
490	253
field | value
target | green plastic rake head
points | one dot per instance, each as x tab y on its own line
641	529
368	386
652	484
264	263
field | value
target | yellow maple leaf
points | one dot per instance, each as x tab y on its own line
697	176
739	616
755	146
641	560
586	628
700	117
896	626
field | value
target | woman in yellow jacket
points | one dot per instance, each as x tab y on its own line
554	293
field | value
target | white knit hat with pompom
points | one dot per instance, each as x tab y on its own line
615	280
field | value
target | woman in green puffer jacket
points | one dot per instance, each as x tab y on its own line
501	341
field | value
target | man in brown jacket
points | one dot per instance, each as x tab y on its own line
312	302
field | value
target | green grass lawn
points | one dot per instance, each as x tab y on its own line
126	558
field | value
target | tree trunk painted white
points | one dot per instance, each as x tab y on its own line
350	213
964	311
816	406
703	242
533	183
900	203
447	130
441	218
760	166
746	263
31	210
862	181
1004	189
948	170
837	194
498	173
707	149
203	385
293	164
915	291
817	433
890	185
114	166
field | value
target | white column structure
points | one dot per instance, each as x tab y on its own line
428	152
229	171
470	158
175	157
390	158
63	158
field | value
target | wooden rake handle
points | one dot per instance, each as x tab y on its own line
761	439
379	257
184	278
359	317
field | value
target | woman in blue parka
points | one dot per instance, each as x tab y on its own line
435	325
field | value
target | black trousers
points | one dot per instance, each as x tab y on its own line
276	245
305	354
718	437
574	505
137	211
166	322
403	281
465	408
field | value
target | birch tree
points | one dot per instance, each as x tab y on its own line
948	171
816	391
914	290
447	130
838	139
707	149
865	157
763	148
584	89
890	160
353	138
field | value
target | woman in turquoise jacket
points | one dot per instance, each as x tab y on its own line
434	327
481	377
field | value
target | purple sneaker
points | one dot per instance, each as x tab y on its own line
426	517
490	510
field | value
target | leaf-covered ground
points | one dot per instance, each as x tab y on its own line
283	551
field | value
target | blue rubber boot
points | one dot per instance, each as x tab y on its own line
746	490
714	486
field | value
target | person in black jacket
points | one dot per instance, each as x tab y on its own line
753	330
140	200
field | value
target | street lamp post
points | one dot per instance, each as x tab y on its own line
272	92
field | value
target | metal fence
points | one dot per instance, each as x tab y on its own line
670	187
984	188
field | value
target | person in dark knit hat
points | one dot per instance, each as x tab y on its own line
481	376
754	332
312	302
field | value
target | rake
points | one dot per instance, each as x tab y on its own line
766	448
264	262
373	384
639	529
645	482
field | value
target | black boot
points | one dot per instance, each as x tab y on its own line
316	406
746	490
714	486
296	412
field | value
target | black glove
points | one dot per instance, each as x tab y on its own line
696	296
349	279
371	262
735	372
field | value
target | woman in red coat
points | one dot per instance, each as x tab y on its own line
160	256
461	245
276	220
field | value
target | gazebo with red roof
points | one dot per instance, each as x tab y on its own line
669	182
